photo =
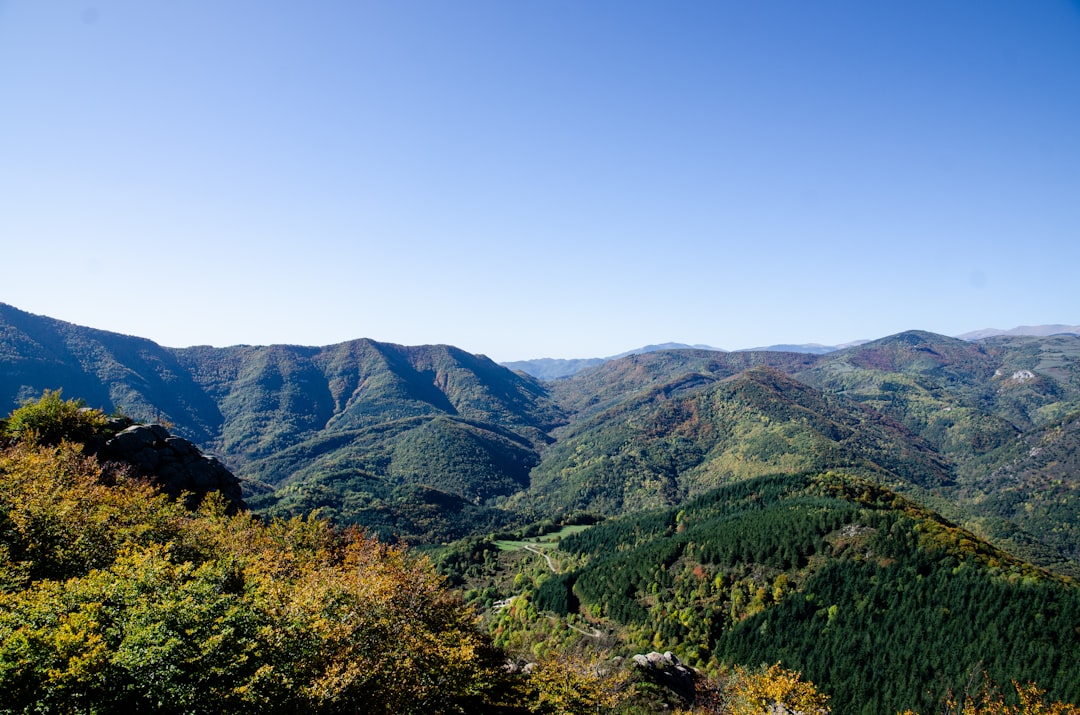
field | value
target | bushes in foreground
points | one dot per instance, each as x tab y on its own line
114	598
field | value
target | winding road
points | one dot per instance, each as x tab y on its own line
538	552
596	632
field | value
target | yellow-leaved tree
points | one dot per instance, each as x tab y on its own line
771	690
987	699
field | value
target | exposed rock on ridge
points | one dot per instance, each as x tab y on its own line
173	463
666	669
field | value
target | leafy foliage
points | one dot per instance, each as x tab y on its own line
51	420
987	699
573	685
772	689
115	599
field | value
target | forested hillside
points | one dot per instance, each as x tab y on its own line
698	431
410	441
882	602
431	443
1000	411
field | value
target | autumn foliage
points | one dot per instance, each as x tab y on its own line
772	690
115	598
987	699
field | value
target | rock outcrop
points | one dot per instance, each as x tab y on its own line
173	463
665	669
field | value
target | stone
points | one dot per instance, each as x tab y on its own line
665	669
173	463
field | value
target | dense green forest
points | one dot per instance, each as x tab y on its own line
883	603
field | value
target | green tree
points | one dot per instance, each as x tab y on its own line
51	419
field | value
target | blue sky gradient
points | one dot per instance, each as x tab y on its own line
540	178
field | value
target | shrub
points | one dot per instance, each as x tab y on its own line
51	420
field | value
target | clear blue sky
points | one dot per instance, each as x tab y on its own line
531	178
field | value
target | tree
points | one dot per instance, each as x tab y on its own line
50	420
570	684
763	691
986	699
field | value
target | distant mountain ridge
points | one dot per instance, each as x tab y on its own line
555	368
1032	330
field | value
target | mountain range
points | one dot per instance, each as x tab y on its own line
884	516
554	368
431	443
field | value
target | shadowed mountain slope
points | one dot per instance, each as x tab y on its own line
107	370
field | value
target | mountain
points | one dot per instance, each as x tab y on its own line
554	369
430	443
107	370
665	346
700	430
360	418
1031	330
934	417
813	348
979	404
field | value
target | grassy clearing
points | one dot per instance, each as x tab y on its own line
546	541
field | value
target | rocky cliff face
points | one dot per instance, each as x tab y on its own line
667	670
173	463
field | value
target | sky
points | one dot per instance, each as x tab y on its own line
540	178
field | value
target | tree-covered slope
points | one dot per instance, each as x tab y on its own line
1031	483
430	479
966	398
430	442
599	388
882	603
407	440
967	407
110	371
698	431
986	407
278	396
